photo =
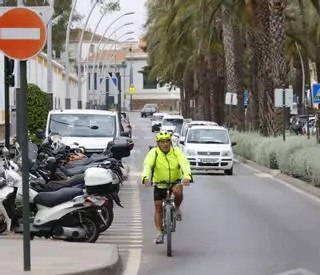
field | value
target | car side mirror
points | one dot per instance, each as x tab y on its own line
40	134
233	143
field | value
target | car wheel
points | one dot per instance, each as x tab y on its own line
229	172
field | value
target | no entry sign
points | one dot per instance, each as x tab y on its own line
22	33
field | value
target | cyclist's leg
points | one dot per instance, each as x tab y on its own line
159	195
178	198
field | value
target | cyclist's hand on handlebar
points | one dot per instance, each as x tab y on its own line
185	182
147	183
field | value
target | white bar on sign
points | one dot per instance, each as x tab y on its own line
19	33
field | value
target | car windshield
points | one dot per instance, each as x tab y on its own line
172	122
83	125
214	136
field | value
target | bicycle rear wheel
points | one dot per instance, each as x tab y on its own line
168	224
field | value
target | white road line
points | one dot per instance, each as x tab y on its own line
137	237
292	187
133	263
299	271
19	33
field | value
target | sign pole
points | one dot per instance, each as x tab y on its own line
284	112
22	117
6	103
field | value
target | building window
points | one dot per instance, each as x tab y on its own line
95	81
148	84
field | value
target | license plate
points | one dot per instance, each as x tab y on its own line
208	160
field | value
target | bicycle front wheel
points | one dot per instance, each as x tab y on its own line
168	227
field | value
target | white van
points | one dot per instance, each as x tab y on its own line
92	129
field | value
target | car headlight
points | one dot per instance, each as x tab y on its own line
191	152
226	154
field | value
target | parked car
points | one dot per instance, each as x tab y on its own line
156	121
149	109
91	129
209	148
171	122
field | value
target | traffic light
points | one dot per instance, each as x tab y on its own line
9	68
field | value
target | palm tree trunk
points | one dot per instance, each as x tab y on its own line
188	88
261	44
234	66
277	64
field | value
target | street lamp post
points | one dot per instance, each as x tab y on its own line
79	55
49	57
97	57
103	35
105	69
67	79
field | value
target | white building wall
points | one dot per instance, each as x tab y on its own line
37	74
141	93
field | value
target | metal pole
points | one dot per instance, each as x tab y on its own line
79	55
131	75
49	58
95	31
303	78
6	104
22	116
67	98
284	112
309	105
98	56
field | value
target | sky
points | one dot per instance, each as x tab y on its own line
138	19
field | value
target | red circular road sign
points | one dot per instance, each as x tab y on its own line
22	33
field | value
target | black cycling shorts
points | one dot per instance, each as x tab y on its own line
159	193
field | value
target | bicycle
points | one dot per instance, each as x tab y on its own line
168	217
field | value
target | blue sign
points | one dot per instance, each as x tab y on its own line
115	81
245	98
316	93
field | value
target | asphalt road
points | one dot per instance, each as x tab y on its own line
246	224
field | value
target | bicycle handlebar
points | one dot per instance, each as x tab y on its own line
155	184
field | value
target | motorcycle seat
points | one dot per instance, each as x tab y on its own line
51	199
78	169
87	161
70	182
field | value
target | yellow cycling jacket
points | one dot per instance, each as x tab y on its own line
171	166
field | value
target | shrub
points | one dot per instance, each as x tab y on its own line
297	156
37	108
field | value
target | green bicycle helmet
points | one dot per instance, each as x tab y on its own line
163	135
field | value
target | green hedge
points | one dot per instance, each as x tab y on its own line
297	156
38	108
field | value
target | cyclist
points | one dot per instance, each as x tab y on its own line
165	163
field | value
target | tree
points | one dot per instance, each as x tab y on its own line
38	106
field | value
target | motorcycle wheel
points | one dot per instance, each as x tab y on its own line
89	223
107	213
3	224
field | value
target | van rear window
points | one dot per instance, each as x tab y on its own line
83	125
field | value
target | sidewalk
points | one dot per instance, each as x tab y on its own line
57	257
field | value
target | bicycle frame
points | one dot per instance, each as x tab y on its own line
169	200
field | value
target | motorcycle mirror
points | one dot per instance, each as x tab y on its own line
5	151
51	160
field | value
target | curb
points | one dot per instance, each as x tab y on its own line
277	174
112	268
